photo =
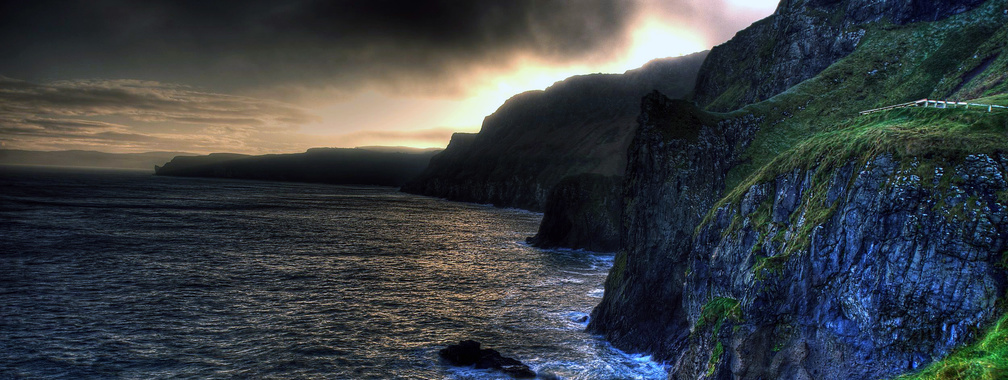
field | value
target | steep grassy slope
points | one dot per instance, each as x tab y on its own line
798	41
893	64
985	359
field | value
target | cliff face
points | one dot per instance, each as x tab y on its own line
583	212
906	265
580	125
798	41
677	162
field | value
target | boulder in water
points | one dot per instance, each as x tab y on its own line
468	352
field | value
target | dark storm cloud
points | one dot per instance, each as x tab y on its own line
235	45
183	57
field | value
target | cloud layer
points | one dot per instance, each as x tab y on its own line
292	59
394	45
232	45
130	115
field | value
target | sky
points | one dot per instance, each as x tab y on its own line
284	76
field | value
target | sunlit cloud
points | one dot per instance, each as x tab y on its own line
422	138
761	5
126	115
657	39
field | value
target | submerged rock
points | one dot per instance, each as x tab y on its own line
468	352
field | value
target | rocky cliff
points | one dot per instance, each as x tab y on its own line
582	212
863	272
795	239
677	164
580	125
798	41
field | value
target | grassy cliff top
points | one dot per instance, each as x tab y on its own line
959	58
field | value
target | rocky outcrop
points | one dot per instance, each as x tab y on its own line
468	352
582	212
580	125
798	41
357	166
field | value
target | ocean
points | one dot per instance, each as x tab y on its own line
122	274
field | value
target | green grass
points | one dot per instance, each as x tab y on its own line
892	64
816	123
715	312
929	137
933	137
715	357
986	359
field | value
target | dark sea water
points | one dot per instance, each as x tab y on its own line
120	274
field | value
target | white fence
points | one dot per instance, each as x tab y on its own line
938	104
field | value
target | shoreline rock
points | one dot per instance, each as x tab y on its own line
468	352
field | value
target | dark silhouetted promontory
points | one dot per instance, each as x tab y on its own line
356	166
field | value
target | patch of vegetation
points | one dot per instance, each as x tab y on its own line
986	359
983	74
715	357
767	266
715	312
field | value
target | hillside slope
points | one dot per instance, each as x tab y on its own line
799	40
580	125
